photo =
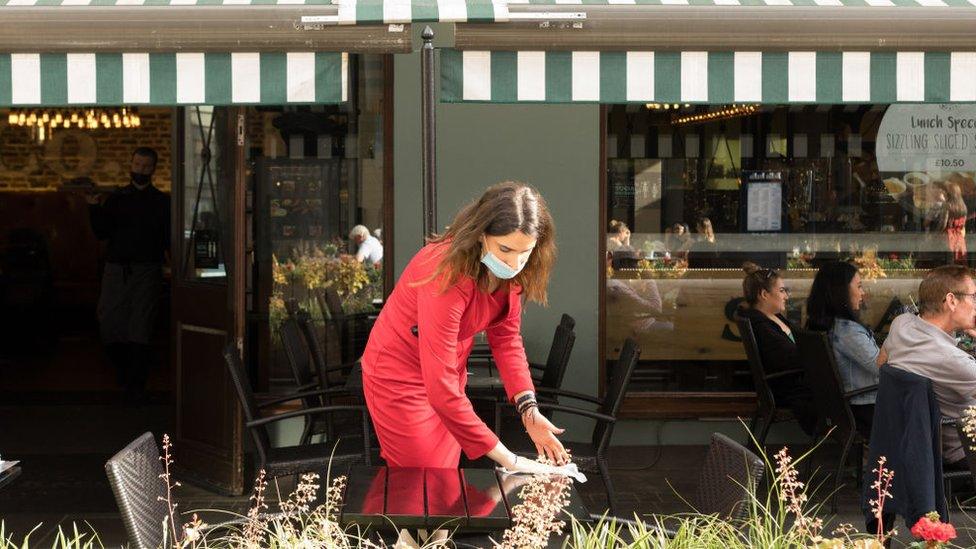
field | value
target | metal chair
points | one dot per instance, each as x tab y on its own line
833	404
134	475
350	330
296	459
550	374
592	457
329	374
728	479
310	371
908	410
767	411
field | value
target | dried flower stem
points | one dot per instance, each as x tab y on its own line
167	460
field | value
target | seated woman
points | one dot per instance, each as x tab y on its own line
618	237
765	300
832	307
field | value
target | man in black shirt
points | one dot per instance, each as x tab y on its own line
135	219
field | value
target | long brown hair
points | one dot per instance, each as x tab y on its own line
955	205
504	208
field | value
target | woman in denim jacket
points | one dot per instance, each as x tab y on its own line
833	305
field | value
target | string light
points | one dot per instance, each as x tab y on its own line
42	122
724	113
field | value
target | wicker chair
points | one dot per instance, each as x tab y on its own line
296	459
133	474
728	479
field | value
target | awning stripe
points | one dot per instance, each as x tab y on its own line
707	77
350	12
55	3
172	78
361	12
821	3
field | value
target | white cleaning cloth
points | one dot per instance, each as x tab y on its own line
532	467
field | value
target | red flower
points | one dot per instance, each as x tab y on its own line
929	528
893	256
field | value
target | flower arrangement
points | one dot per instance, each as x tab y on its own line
538	516
783	518
662	268
317	267
932	532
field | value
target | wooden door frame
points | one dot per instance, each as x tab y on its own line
232	305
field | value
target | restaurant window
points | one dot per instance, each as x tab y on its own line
317	172
704	189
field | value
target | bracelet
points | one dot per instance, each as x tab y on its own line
525	409
525	403
527	396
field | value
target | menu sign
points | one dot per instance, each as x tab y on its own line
927	138
763	200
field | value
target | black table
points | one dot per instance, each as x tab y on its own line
469	500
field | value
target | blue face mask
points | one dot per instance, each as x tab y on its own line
498	267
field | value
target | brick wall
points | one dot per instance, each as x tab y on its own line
102	155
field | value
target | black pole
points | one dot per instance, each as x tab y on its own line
428	139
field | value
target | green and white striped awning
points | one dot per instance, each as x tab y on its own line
343	12
828	3
53	79
707	77
359	12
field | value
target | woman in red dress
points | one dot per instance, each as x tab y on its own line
498	250
955	226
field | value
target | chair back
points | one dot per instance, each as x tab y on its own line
820	367
134	474
316	350
299	356
616	390
558	358
242	385
968	442
330	303
767	402
728	479
907	431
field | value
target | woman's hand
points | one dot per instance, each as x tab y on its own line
543	434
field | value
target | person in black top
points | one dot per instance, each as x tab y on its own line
135	219
765	298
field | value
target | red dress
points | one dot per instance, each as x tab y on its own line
956	238
414	384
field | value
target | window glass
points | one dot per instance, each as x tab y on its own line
702	190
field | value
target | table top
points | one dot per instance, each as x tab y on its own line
405	497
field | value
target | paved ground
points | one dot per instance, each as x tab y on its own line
63	449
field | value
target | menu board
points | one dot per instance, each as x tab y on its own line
302	198
763	201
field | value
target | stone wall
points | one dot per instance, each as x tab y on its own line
103	155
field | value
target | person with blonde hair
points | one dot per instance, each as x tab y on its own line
498	251
766	296
369	248
618	237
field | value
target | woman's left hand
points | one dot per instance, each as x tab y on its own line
543	434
